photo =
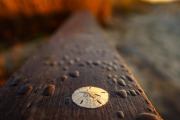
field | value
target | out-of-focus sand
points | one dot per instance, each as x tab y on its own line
149	42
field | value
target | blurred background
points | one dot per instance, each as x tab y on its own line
145	32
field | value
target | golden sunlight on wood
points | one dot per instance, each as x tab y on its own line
158	1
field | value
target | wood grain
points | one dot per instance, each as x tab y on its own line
80	45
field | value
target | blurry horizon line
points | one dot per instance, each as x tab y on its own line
160	1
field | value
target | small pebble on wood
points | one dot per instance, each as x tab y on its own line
71	62
66	57
74	74
114	76
130	78
109	76
128	92
105	62
147	116
65	68
77	59
129	85
49	90
110	63
53	63
109	68
64	77
89	62
25	89
137	92
115	67
123	77
114	80
122	93
120	114
97	62
133	93
82	64
115	62
121	82
47	63
103	66
60	62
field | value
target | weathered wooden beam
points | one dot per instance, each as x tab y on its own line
78	55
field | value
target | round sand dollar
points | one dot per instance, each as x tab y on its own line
90	97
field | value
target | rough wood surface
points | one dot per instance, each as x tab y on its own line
42	88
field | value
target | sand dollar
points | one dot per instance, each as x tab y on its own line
90	97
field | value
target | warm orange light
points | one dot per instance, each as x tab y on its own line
157	1
100	8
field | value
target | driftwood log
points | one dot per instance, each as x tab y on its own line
77	55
